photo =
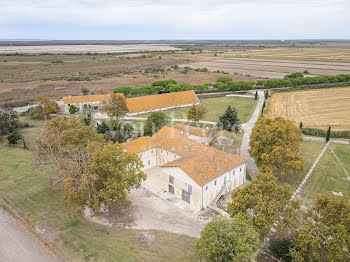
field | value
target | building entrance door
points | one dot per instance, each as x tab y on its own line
171	189
186	196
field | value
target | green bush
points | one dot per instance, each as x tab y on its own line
164	83
224	79
294	75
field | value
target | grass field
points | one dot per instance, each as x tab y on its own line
28	189
216	107
315	108
310	151
329	175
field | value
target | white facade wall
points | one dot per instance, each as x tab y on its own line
182	182
234	178
149	158
165	156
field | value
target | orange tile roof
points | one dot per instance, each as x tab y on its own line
204	167
153	102
169	132
201	163
193	130
88	98
139	145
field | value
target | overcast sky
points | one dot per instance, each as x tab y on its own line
174	19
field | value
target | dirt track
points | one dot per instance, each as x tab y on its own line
18	245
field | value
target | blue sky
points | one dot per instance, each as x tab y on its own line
176	19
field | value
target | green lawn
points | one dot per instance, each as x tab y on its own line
217	106
29	190
310	151
329	175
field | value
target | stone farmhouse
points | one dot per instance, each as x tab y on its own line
191	171
135	105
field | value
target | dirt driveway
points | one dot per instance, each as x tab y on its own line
19	245
145	210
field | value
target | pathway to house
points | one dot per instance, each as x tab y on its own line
17	244
247	129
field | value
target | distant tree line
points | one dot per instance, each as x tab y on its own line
225	84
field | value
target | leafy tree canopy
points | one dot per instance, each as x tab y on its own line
262	200
116	132
196	112
91	170
45	107
116	107
228	240
8	121
155	122
275	146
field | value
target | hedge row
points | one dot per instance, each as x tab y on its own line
322	133
225	84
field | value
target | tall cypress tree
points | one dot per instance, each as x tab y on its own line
328	135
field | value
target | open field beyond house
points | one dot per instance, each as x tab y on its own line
216	107
273	68
29	190
24	77
315	108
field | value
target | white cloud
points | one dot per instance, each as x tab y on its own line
235	17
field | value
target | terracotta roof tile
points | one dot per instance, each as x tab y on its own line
193	130
139	145
201	163
153	102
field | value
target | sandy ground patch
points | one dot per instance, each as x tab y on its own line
315	108
144	210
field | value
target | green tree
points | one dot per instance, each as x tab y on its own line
116	107
8	121
196	112
15	137
115	132
328	135
73	109
262	201
155	122
275	146
266	94
110	173
45	107
325	234
229	120
91	171
228	240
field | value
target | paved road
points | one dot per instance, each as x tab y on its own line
247	129
17	244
